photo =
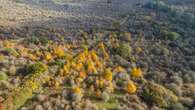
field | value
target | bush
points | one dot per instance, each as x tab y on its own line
188	17
105	97
173	35
126	36
38	40
44	40
36	68
33	39
158	95
58	62
3	76
124	50
178	106
11	51
21	94
160	5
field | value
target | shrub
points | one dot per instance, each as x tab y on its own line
11	51
124	50
58	62
159	95
105	97
173	35
21	94
3	76
126	36
44	40
37	40
36	68
33	39
160	5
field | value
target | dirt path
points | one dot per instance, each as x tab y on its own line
66	13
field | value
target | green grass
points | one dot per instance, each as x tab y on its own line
112	104
62	1
107	105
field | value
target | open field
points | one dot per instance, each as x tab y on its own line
69	14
